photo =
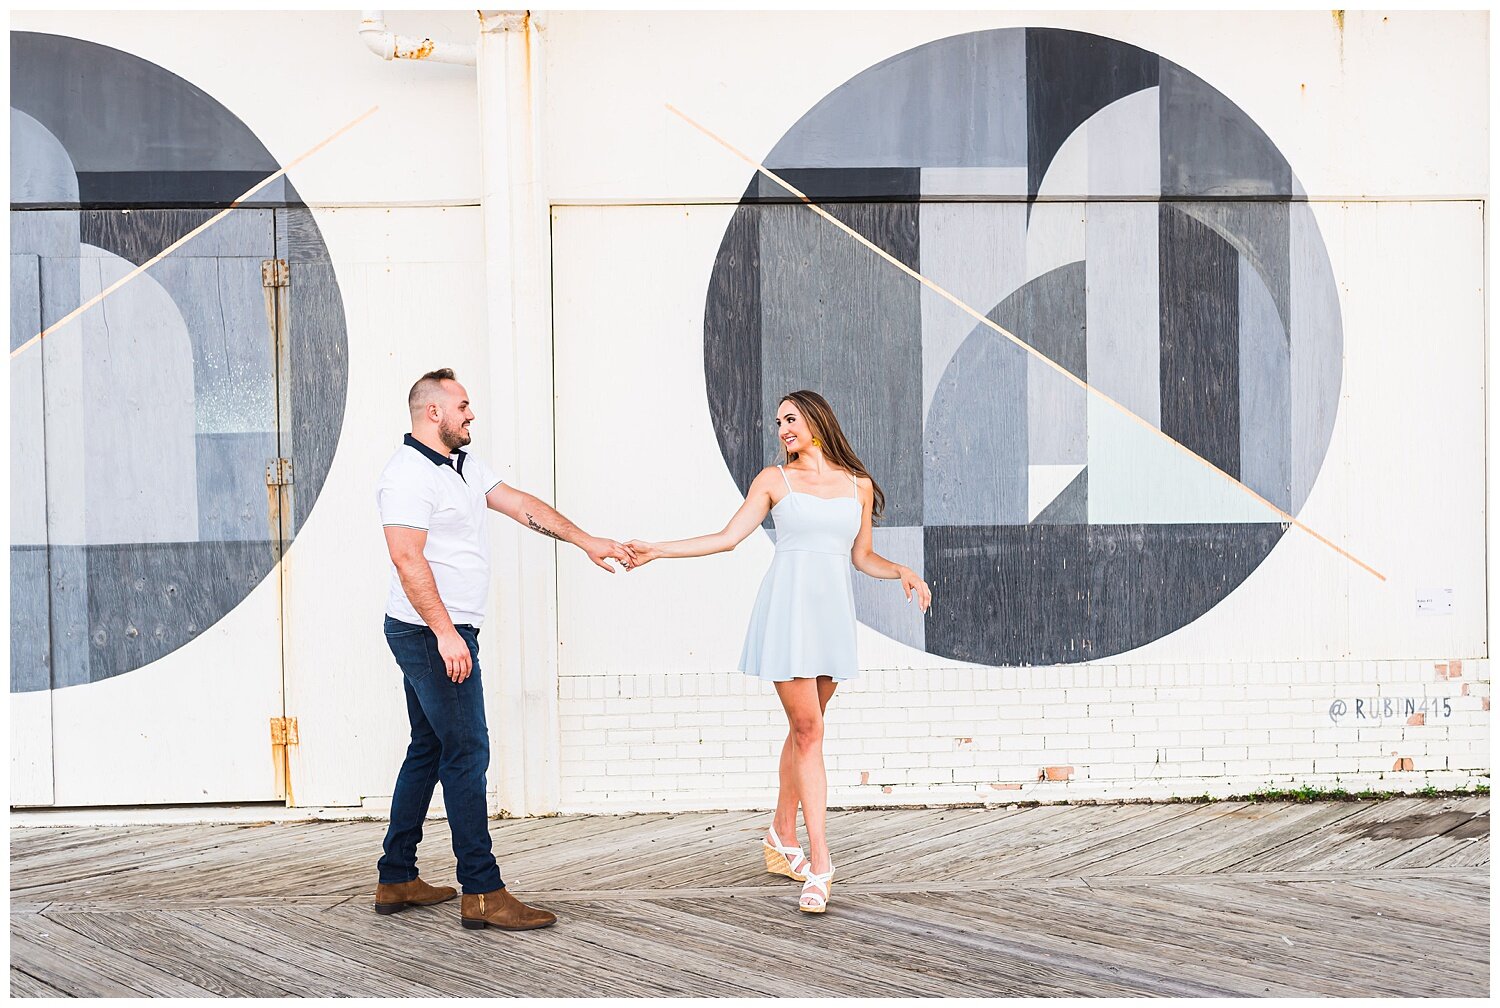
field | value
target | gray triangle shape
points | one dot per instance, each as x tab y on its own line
1071	507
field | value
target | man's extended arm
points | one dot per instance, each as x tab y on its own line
539	516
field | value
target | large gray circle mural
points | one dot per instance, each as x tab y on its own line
143	430
1126	220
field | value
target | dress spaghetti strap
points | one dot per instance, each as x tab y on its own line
785	480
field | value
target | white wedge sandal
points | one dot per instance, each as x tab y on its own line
816	891
783	860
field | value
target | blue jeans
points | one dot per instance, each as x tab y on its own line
450	742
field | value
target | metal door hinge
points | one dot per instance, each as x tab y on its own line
283	737
283	731
279	472
274	273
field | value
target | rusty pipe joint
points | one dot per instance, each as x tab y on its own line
388	45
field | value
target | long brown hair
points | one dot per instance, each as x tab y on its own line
836	448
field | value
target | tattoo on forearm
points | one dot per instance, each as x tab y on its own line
538	526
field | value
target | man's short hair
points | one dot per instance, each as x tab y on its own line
426	387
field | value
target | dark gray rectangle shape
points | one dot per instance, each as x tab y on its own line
841	184
232	502
837	319
137	235
316	386
1210	148
1059	594
1200	339
145	600
30	647
192	188
732	347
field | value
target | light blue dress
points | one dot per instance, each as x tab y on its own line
802	625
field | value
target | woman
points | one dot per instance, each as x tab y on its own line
801	634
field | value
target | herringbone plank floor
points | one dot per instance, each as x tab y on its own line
1214	899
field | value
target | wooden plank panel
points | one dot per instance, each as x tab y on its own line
149	861
942	902
1339	835
102	843
26	985
1163	957
1430	844
1425	908
631	861
250	931
1328	949
1476	853
163	941
556	960
680	968
359	939
1172	845
827	947
1060	849
1029	935
1287	827
81	966
872	851
736	950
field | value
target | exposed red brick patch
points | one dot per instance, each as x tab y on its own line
887	790
1463	690
1442	669
1485	702
1055	773
1005	787
1404	763
1455	668
1417	719
964	743
864	777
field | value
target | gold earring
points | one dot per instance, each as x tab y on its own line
817	443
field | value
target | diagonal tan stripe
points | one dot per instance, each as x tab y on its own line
106	292
964	307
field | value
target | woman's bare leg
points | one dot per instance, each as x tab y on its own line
804	713
784	822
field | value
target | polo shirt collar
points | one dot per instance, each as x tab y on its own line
437	458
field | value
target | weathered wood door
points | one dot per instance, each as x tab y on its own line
147	509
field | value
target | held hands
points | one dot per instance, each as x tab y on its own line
911	583
643	551
599	550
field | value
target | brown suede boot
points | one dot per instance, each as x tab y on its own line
391	899
499	909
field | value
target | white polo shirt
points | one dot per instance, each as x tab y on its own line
444	496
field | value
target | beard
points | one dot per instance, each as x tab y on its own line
453	436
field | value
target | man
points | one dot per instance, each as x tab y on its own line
432	497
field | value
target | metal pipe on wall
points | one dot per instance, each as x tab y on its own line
518	279
388	45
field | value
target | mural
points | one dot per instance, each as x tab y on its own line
1125	219
141	432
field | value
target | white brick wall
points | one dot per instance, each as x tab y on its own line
964	735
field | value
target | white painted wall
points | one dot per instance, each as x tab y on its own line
1385	121
1358	111
397	202
653	715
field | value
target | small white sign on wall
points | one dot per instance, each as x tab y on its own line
1435	601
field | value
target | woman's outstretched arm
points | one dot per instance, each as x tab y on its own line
751	513
867	561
